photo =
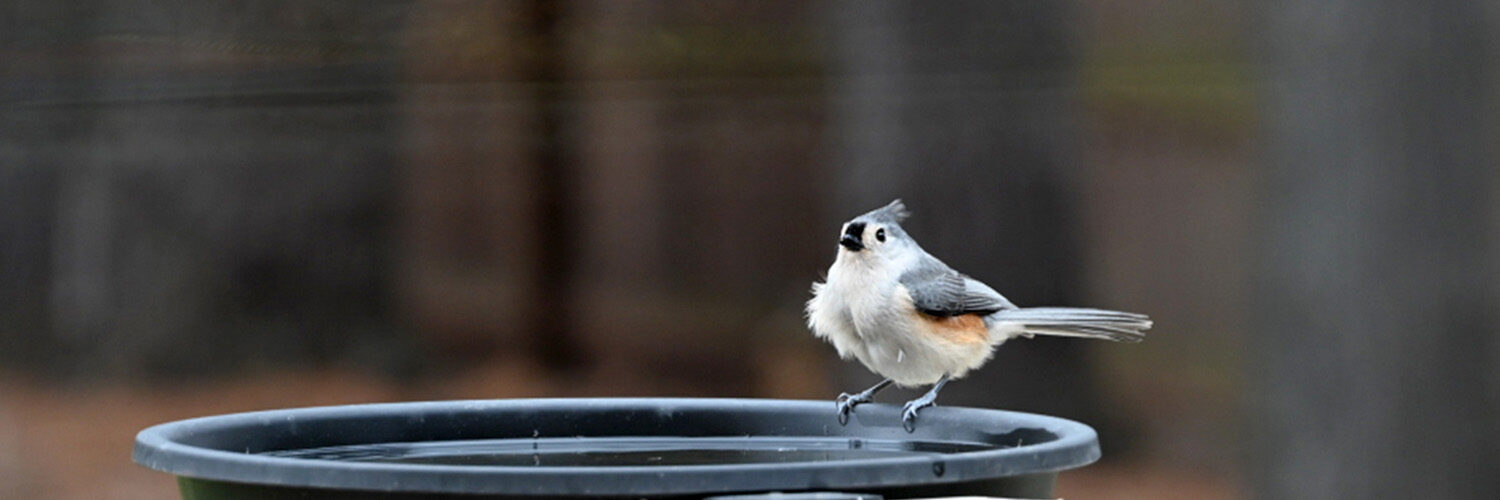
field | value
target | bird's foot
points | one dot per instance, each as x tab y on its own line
846	403
909	411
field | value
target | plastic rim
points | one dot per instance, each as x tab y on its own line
225	447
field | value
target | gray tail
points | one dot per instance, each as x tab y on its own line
1078	322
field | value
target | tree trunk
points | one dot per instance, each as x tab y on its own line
1375	351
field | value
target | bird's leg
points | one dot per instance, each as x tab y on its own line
846	401
909	412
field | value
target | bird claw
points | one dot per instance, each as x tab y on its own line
845	404
909	412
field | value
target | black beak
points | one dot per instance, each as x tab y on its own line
851	239
851	242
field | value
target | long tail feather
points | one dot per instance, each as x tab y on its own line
1078	322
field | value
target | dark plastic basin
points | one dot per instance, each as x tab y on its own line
613	448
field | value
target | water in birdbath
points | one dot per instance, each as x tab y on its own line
631	451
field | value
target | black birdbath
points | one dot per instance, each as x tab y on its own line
635	448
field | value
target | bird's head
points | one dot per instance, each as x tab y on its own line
876	233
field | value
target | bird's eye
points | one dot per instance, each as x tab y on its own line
880	234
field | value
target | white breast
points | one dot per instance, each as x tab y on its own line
830	313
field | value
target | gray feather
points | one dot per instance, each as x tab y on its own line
1078	322
892	213
938	290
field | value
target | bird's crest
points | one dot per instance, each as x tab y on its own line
892	213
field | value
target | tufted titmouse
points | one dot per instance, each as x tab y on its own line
912	319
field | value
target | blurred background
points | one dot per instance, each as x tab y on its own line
211	206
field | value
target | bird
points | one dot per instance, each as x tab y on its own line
913	320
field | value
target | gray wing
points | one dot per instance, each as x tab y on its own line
940	291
